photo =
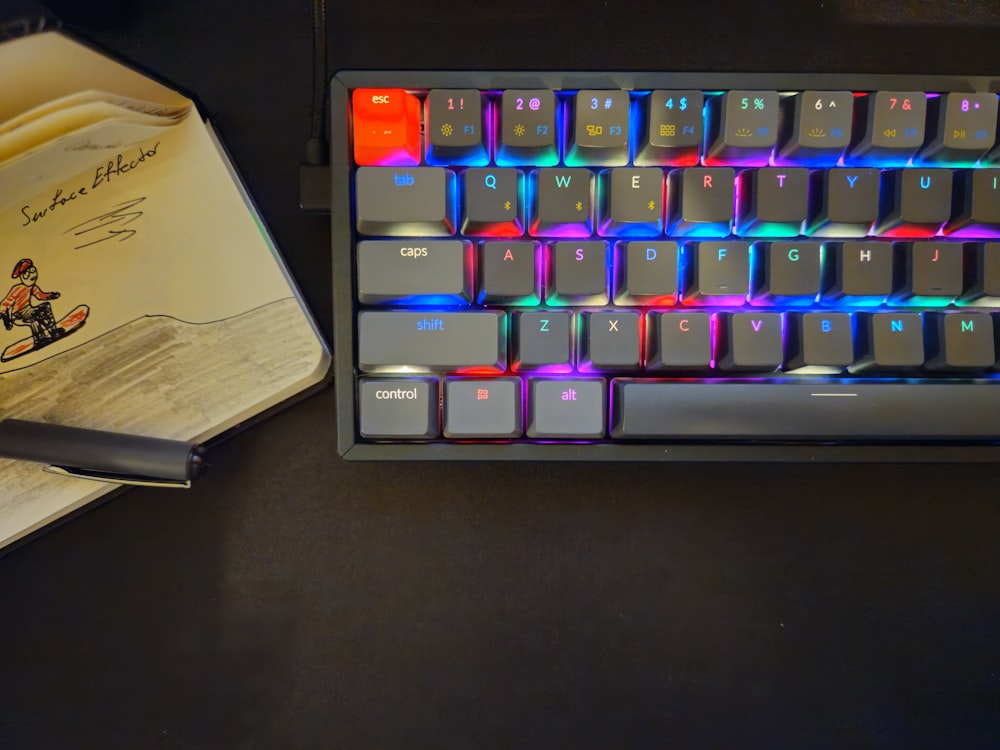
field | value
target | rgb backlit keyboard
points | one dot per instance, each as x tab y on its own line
666	266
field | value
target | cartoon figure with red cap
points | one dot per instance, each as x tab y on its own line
26	304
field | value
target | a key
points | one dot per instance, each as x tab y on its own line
454	127
748	128
720	273
386	127
562	202
791	273
673	129
980	216
921	203
600	128
678	341
405	201
701	201
398	408
482	408
567	408
985	289
646	273
507	273
774	202
610	340
493	203
933	273
414	271
821	129
863	273
895	340
967	126
632	202
963	341
850	203
895	129
528	128
578	273
431	340
824	339
750	341
542	340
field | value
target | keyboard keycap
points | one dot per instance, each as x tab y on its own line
821	340
432	340
386	127
803	411
720	273
774	202
567	408
821	130
964	341
579	273
610	340
895	341
454	132
634	202
528	128
482	408
967	126
933	272
542	340
414	271
750	341
407	201
401	408
701	201
921	203
980	216
562	202
895	132
493	205
748	128
791	273
601	129
850	203
986	288
673	129
646	273
864	272
508	273
678	341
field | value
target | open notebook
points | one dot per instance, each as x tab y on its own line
173	314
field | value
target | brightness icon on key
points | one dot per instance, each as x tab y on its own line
743	133
817	133
519	130
446	130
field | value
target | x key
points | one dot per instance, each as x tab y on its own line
611	341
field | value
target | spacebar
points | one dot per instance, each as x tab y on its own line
804	411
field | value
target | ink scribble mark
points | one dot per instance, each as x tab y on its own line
108	226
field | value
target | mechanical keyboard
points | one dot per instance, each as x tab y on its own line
645	266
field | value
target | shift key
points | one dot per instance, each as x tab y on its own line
432	341
405	201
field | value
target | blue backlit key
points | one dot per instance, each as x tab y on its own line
895	341
748	128
967	126
600	129
493	202
528	128
850	202
821	129
431	340
920	202
824	339
646	273
405	201
562	204
980	214
631	202
453	129
673	131
774	201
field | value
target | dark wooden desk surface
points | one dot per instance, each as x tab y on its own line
294	600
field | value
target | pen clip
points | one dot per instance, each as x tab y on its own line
132	481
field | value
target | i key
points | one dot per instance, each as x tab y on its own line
454	127
896	121
673	129
528	128
748	128
600	132
980	216
822	127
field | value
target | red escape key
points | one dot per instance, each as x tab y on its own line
386	127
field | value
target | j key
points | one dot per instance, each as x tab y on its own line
850	203
435	341
986	289
701	201
863	272
933	270
748	128
610	341
751	341
405	201
964	341
797	410
895	340
579	273
967	126
678	341
600	130
822	127
567	408
674	129
721	273
542	339
921	202
454	127
507	273
386	127
562	202
634	205
981	215
482	408
403	408
774	202
528	128
895	129
493	202
414	271
821	340
646	273
790	270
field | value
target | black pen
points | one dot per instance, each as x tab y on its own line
103	456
